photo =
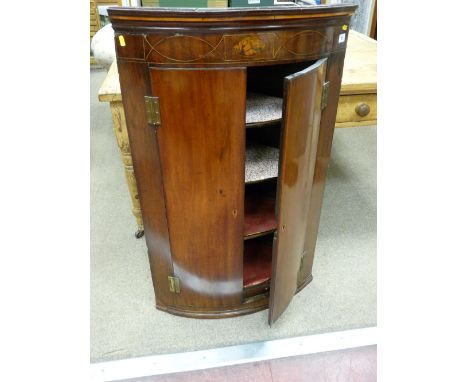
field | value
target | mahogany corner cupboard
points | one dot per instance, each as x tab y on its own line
230	115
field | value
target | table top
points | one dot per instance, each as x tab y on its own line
110	88
359	73
360	66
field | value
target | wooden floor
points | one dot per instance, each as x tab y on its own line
357	364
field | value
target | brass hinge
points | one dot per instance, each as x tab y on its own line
152	111
325	89
174	284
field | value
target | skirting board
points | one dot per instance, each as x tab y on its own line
231	355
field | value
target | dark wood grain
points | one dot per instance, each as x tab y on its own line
248	306
146	163
199	47
232	37
259	216
327	128
202	143
231	14
301	124
190	172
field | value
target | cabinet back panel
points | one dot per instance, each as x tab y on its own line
270	79
266	135
202	145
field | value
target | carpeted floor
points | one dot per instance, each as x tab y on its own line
124	321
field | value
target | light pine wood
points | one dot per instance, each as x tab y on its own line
356	124
359	83
217	3
347	114
110	92
360	67
121	134
94	24
110	88
94	18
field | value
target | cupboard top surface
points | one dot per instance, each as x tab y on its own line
210	15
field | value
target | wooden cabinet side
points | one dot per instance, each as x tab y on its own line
327	126
146	162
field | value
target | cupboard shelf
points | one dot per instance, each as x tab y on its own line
263	110
257	261
259	210
261	163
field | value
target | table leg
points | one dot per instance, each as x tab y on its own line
120	129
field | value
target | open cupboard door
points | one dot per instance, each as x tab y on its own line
300	132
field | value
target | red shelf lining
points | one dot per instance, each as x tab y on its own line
257	260
259	215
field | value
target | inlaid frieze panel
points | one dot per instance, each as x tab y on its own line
182	48
231	48
237	47
248	47
305	43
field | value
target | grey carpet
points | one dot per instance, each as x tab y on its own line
124	321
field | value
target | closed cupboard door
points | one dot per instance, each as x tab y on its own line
201	142
301	124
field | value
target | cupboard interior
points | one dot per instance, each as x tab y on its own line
257	261
259	226
265	89
269	80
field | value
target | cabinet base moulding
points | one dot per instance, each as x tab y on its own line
251	305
